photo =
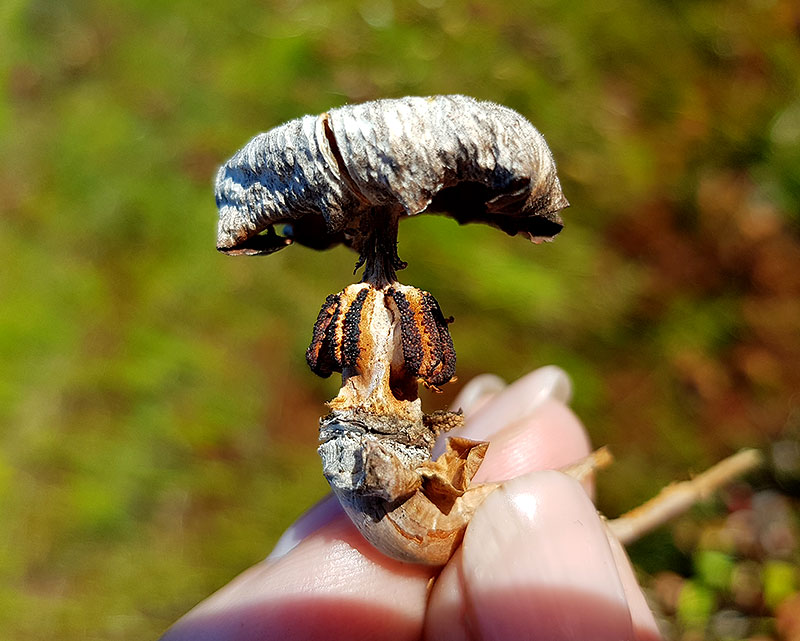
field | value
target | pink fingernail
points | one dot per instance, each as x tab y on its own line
518	400
478	391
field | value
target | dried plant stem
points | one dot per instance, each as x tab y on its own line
597	460
676	498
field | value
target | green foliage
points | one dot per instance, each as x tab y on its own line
714	568
157	422
780	580
695	604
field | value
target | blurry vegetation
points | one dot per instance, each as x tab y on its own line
157	420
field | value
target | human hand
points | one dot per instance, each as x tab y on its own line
537	562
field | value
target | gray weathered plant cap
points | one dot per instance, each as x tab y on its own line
325	177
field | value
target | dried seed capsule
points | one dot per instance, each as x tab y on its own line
324	176
376	443
409	507
348	176
427	345
342	333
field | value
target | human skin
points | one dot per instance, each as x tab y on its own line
537	562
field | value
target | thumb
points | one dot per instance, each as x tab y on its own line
535	564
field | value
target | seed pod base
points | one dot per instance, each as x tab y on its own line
409	507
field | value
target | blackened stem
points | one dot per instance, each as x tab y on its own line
379	251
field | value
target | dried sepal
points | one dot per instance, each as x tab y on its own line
409	507
448	477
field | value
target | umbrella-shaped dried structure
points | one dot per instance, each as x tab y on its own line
349	176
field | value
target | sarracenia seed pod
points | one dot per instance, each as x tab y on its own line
348	176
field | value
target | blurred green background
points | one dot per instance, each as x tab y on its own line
158	421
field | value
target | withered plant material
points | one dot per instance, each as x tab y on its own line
349	176
337	177
376	443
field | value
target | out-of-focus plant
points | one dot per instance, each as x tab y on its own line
147	383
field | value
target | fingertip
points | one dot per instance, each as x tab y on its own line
549	438
537	564
519	399
527	423
309	522
445	617
644	623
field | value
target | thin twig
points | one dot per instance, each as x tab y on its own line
597	460
676	498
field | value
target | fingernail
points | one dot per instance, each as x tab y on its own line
537	564
548	382
518	400
477	392
309	522
548	438
644	623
